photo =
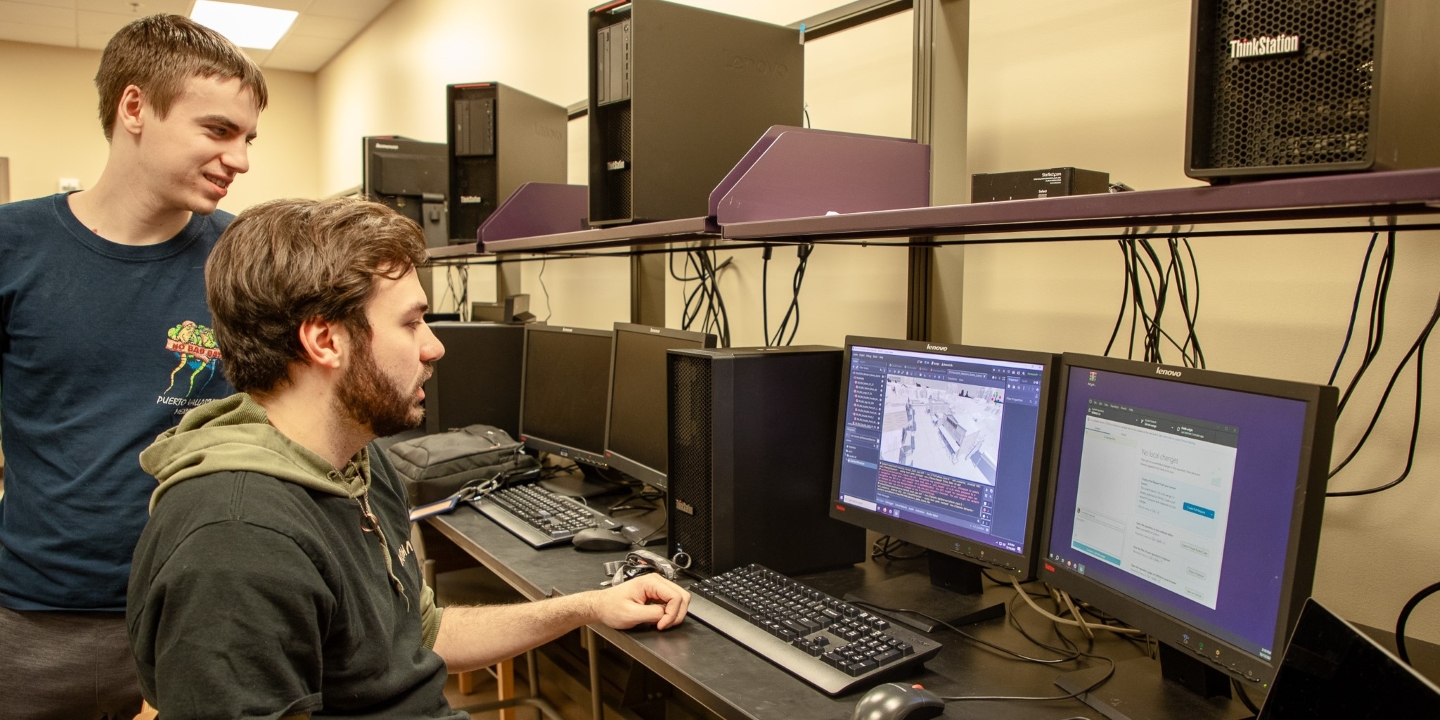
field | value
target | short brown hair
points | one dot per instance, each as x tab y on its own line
283	262
158	53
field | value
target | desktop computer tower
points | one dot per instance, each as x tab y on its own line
677	96
500	138
752	446
478	379
1289	87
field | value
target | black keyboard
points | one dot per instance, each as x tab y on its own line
540	517
826	642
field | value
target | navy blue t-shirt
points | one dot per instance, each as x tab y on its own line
102	347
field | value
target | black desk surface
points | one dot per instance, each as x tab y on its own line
735	683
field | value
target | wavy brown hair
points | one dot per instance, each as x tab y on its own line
158	53
283	262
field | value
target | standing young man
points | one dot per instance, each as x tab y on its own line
275	578
105	342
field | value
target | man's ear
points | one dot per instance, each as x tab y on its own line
128	116
324	343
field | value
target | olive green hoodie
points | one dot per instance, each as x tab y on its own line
255	559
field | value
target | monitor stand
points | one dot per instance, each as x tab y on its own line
1180	686
951	591
586	483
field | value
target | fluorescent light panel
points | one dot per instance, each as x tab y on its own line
248	26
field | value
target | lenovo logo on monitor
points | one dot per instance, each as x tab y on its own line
1167	372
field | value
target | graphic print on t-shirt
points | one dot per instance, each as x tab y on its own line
199	360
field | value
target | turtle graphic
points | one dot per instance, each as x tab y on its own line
195	345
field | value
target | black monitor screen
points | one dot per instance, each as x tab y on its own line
638	431
946	442
1185	497
567	376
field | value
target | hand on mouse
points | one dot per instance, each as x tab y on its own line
645	599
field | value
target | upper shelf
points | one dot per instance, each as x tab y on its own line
1399	192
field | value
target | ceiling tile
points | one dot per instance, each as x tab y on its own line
40	34
326	27
97	23
146	7
362	10
296	5
68	4
42	15
94	41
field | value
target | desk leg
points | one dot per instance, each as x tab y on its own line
592	641
533	672
505	686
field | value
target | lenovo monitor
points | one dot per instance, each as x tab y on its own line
564	385
944	446
636	431
1187	503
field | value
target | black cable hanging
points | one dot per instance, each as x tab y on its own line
1405	617
791	320
1145	292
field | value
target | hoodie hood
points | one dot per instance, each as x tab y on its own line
234	434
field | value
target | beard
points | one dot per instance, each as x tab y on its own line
371	398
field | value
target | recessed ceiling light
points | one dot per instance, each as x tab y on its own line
248	26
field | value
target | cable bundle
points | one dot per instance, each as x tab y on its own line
1379	299
705	302
1145	301
802	253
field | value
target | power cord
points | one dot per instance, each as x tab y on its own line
802	255
885	547
1405	617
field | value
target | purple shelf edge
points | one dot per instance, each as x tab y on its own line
640	234
1331	196
536	208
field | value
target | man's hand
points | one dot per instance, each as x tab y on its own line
645	599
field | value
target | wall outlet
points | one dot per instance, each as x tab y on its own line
69	184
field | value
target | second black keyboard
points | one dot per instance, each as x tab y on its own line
826	642
540	517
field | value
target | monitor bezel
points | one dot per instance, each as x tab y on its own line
1307	509
654	477
407	146
1018	565
596	459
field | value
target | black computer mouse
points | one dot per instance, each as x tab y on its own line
599	540
896	701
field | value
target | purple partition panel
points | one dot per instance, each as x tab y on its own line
537	209
797	172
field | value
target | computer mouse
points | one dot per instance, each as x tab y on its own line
599	540
896	701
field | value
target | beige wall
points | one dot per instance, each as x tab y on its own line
50	128
1046	89
1045	92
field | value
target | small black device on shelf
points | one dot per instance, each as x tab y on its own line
829	643
752	438
1186	503
499	138
944	446
478	379
1026	184
409	176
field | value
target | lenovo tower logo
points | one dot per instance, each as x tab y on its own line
757	66
1264	46
1164	371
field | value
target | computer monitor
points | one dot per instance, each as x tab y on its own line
637	426
412	177
564	386
944	446
1187	503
